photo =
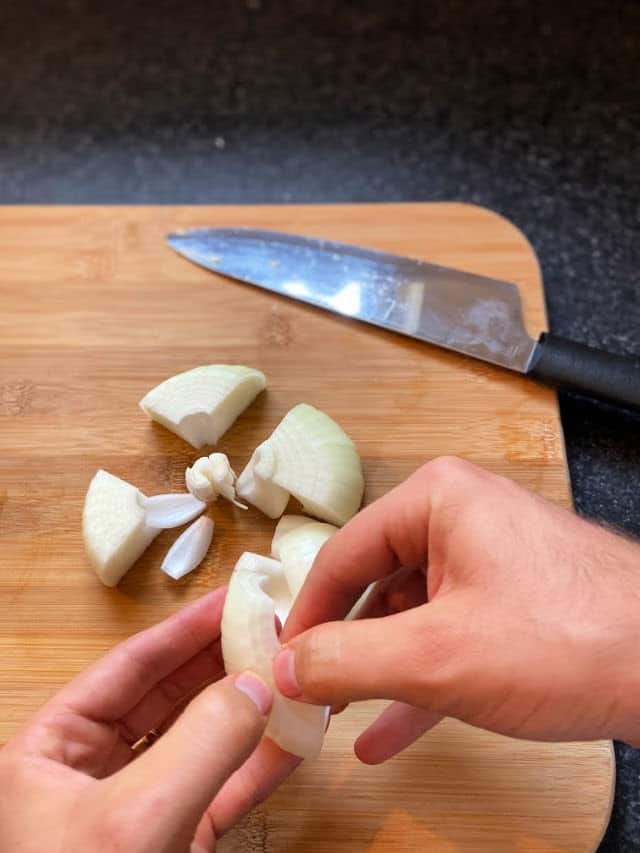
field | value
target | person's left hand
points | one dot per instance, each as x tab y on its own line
71	782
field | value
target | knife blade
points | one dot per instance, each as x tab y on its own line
471	314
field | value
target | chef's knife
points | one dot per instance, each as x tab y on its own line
471	314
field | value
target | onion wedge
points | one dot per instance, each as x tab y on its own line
257	593
310	457
115	529
296	542
201	404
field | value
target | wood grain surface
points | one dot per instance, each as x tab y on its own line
95	310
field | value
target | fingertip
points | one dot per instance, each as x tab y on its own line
372	751
284	673
366	757
255	689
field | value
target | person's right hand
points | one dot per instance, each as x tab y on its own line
532	626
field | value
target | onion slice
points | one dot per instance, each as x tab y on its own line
296	542
189	549
114	526
286	525
165	511
257	590
200	405
310	457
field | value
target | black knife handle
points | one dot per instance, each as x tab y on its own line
576	367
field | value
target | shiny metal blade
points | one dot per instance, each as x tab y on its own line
471	314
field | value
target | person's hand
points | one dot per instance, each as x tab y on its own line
71	782
532	626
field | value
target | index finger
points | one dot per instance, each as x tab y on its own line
390	533
113	685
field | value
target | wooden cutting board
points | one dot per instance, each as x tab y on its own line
95	310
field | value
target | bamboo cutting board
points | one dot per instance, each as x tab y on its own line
95	310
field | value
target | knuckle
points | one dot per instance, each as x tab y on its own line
449	472
318	656
170	691
225	705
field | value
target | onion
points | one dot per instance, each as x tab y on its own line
211	476
164	511
257	593
201	404
298	547
310	457
286	524
189	549
114	526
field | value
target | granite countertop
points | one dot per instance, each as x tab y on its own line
530	109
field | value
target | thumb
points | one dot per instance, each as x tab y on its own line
409	656
176	779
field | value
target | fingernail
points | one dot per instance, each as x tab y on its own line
256	690
198	848
284	672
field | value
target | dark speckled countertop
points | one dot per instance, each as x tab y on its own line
532	109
